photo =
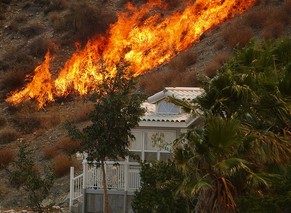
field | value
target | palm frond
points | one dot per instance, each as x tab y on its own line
231	166
223	133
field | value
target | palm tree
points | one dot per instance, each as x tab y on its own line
247	130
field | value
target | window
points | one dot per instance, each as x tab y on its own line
167	108
152	145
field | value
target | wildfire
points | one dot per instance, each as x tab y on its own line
143	42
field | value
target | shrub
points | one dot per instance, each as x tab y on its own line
221	57
50	120
211	68
31	30
263	16
20	18
2	122
6	156
62	164
82	113
26	174
236	34
50	151
183	60
12	80
27	123
56	5
39	46
273	31
68	145
287	6
82	25
8	135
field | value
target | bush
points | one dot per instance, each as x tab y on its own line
50	151
68	145
2	122
31	30
39	46
56	5
159	182
6	157
8	135
82	113
273	31
50	120
287	6
12	80
84	21
211	68
237	34
62	164
183	60
26	174
27	123
63	145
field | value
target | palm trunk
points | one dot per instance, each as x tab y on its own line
105	188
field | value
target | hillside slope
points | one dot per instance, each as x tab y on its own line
29	28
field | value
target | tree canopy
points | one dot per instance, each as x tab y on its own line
244	146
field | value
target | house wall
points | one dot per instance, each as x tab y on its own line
153	143
119	201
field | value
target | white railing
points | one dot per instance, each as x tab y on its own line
76	186
120	176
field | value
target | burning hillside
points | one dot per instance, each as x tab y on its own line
143	40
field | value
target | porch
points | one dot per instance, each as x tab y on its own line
122	177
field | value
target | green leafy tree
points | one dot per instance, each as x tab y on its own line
244	146
116	112
159	182
24	173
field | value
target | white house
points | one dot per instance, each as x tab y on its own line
162	123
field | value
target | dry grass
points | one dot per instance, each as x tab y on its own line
27	123
50	120
63	145
68	145
77	20
62	164
211	68
6	156
31	30
50	151
7	135
183	60
82	113
273	31
3	121
56	5
261	17
39	46
221	57
287	6
12	80
237	35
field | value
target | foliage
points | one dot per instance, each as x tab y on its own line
244	146
116	112
157	194
24	173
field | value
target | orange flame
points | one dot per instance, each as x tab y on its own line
143	42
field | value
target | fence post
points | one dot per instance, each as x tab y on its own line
71	188
85	173
126	173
